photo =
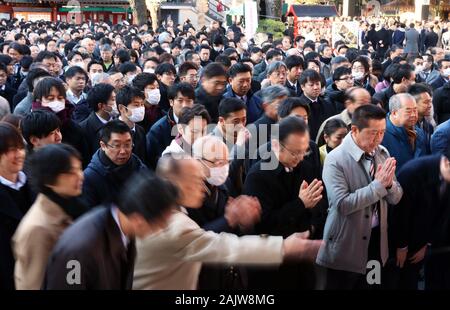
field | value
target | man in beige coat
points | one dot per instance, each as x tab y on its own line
172	258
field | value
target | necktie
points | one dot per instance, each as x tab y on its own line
412	135
372	169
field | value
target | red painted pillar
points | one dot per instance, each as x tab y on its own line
54	12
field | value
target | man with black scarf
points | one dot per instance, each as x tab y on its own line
111	165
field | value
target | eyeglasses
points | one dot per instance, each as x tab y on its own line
296	154
217	163
348	78
117	147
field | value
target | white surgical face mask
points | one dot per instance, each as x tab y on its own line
56	105
167	49
114	111
130	79
357	75
217	49
79	64
137	115
447	72
153	96
149	70
418	69
218	175
245	46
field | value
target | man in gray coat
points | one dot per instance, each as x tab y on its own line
360	180
412	40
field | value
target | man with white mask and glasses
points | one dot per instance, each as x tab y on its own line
130	103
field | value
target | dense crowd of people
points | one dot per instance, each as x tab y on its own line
197	159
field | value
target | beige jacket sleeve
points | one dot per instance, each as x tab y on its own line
189	242
32	250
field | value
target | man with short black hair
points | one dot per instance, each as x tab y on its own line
259	72
160	135
212	85
335	93
166	74
111	166
130	103
40	128
295	67
76	79
240	79
311	83
359	177
102	102
443	66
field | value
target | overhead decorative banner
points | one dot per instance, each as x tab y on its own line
345	31
251	18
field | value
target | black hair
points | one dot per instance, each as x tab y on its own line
3	67
189	55
126	94
365	113
440	61
291	125
26	62
126	67
223	59
33	75
44	87
238	68
135	198
164	68
18	47
332	125
185	67
94	62
49	162
230	105
5	59
144	79
287	105
273	53
339	72
214	69
399	72
419	88
72	71
39	123
100	93
294	61
309	75
187	114
184	88
45	55
9	137
123	55
114	126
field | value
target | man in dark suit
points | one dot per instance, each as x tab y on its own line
295	68
311	84
444	70
384	40
287	191
130	103
102	100
6	91
98	251
419	220
159	136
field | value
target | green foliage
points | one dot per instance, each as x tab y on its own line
274	27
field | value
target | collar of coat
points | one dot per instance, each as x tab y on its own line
355	151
